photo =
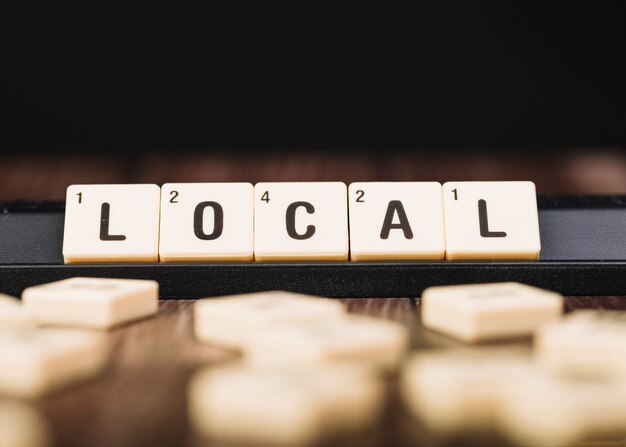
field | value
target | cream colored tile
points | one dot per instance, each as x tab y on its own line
207	222
459	390
233	321
360	339
300	221
481	312
12	313
491	221
541	410
36	361
111	223
96	303
586	343
21	425
396	221
283	407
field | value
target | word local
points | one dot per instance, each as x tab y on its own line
322	221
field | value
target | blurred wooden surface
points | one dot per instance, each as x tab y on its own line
141	399
45	177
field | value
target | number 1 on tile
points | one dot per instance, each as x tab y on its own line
491	221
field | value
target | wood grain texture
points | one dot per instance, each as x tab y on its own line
46	177
140	400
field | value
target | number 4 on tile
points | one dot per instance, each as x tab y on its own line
300	221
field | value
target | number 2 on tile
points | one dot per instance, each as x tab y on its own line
360	193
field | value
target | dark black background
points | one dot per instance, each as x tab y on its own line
103	75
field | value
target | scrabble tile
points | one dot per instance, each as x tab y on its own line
481	312
21	425
283	407
358	339
111	223
207	222
586	343
95	303
300	221
459	390
12	313
396	221
36	361
233	321
491	220
540	409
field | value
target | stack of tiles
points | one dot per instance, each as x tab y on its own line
233	322
283	407
45	339
460	389
542	408
46	359
569	388
587	343
309	370
281	328
352	339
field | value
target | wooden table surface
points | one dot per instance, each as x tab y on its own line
141	399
